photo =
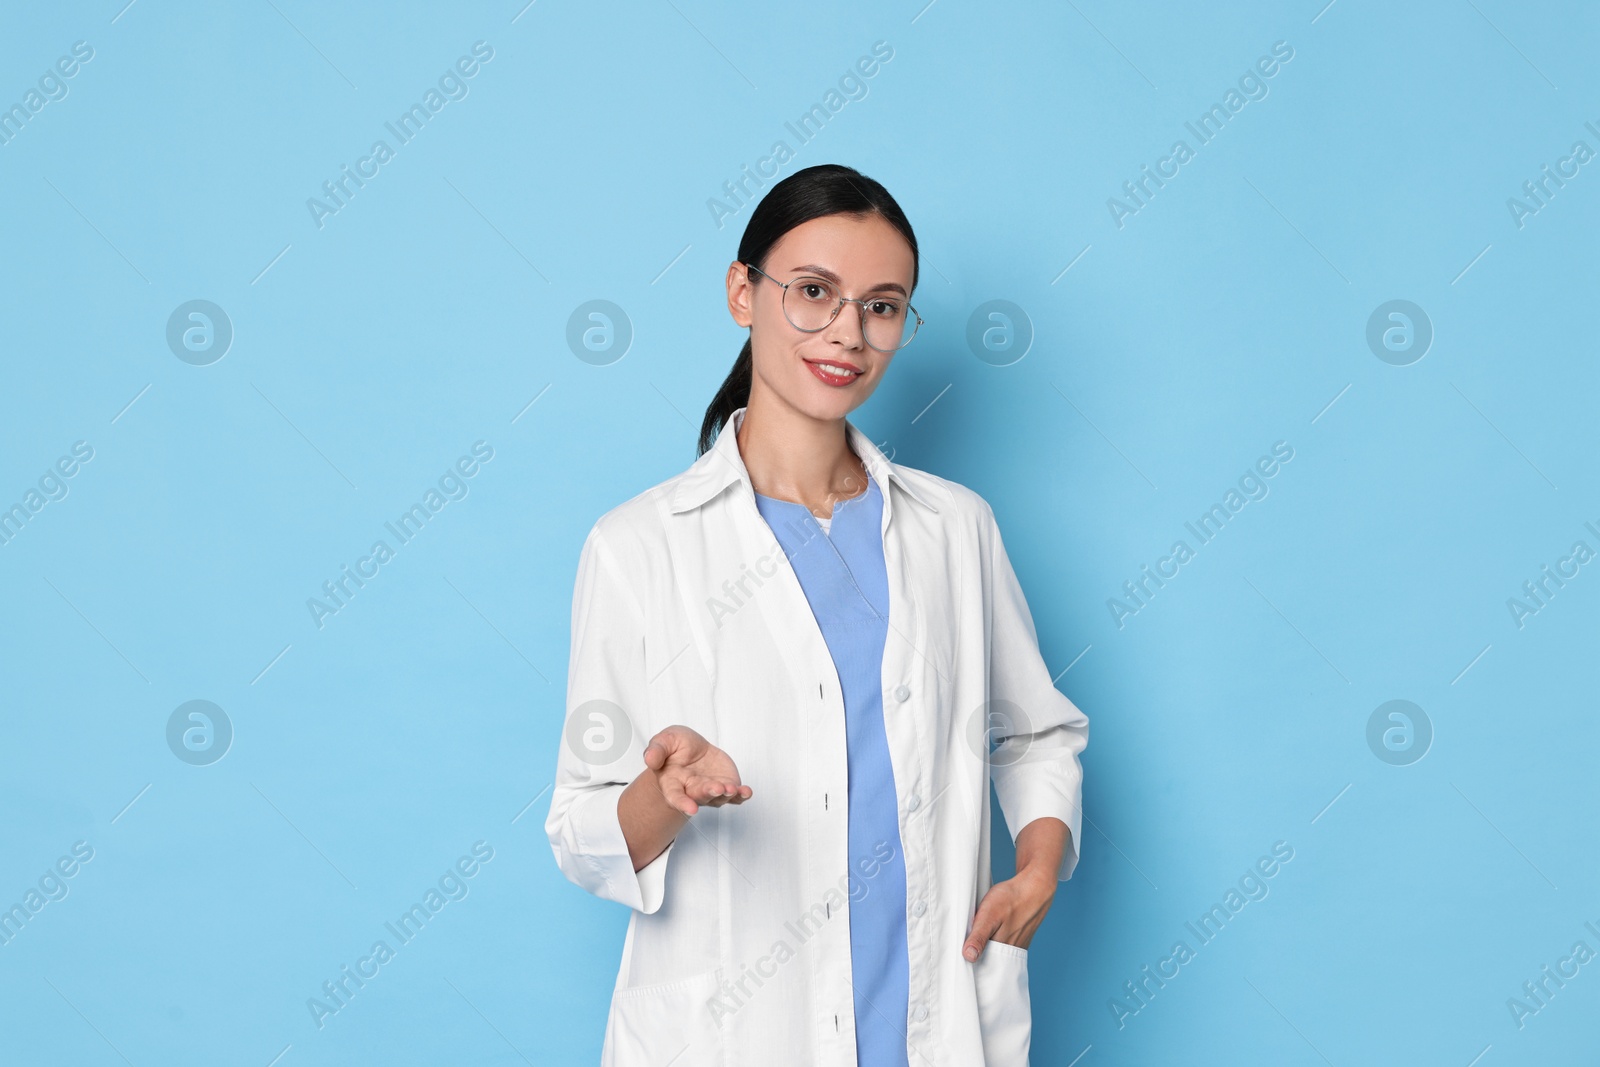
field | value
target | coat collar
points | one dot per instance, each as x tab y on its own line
722	466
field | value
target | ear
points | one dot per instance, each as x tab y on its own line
740	291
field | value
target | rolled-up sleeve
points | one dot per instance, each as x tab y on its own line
1040	732
602	744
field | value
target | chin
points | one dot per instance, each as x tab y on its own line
824	403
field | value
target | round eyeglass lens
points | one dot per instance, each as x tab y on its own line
887	321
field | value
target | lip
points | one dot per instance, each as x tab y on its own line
832	379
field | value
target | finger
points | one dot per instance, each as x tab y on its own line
984	925
699	788
706	787
735	795
665	745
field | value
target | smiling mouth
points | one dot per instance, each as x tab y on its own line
833	373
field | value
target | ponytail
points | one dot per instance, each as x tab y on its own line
734	394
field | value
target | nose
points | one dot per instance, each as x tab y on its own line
846	329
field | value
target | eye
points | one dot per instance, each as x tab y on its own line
815	291
885	308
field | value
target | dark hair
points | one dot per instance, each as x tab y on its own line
826	189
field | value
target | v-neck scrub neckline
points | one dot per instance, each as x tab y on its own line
826	523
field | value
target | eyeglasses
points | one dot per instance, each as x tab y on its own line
810	304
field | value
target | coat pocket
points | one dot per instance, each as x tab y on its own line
672	1022
1005	1014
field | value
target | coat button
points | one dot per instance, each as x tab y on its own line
920	1012
902	694
918	908
913	802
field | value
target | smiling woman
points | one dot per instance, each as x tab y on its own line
812	227
825	731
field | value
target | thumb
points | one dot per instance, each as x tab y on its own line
984	925
663	746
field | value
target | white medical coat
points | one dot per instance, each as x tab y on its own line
686	611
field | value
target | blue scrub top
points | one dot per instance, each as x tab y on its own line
842	572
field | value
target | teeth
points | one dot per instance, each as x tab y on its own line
831	369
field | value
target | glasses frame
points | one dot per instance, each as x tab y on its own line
843	300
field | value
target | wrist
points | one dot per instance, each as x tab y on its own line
658	796
1038	876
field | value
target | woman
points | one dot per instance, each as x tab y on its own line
796	668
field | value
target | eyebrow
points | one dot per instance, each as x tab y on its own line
881	287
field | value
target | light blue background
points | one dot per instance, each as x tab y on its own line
1228	314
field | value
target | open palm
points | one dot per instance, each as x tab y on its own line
692	771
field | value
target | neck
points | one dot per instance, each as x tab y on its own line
792	456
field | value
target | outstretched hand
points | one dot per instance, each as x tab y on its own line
692	771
